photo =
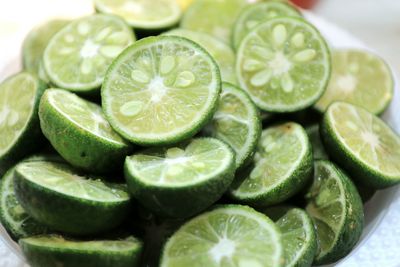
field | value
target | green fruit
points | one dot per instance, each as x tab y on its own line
319	151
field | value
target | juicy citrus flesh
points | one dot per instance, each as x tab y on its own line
200	160
228	236
251	16
360	78
83	113
160	88
220	51
17	100
284	64
62	179
366	137
146	14
78	56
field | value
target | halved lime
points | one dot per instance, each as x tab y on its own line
143	14
213	17
281	167
237	123
36	42
336	209
358	77
184	3
78	56
253	15
89	205
227	236
19	122
220	51
363	144
284	64
53	250
161	90
183	180
87	142
314	136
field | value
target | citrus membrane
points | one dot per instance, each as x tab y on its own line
314	136
254	14
143	14
360	78
161	90
228	236
78	56
363	144
220	51
284	64
236	122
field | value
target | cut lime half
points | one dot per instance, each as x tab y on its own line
319	151
284	64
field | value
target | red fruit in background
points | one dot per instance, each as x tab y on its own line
307	4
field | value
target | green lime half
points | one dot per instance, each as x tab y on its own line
36	42
253	15
282	166
52	250
183	180
360	78
363	144
161	90
284	64
78	56
336	209
314	136
143	14
87	142
89	205
19	122
227	236
237	123
220	51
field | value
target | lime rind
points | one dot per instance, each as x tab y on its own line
314	136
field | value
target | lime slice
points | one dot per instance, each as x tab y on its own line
253	15
363	144
89	205
183	180
336	209
161	90
284	64
36	42
19	122
143	14
237	123
52	250
78	56
229	236
89	142
184	3
213	17
282	166
220	51
316	142
360	78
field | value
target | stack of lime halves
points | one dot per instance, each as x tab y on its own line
119	150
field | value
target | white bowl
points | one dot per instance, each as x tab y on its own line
375	209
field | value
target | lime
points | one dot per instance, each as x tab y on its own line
253	15
52	250
36	42
78	56
363	144
19	122
143	14
281	167
336	209
184	3
220	51
229	236
89	205
360	78
183	180
87	142
316	142
161	90
237	123
284	64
